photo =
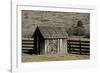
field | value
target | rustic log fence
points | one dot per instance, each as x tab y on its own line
81	47
27	45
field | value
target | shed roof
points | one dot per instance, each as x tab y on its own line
53	32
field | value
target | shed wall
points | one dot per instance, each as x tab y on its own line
56	46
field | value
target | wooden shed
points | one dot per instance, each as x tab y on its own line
50	40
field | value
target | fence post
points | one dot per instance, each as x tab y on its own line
80	47
69	50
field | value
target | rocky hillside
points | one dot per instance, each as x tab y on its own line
32	19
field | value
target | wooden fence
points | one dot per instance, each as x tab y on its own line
27	45
81	47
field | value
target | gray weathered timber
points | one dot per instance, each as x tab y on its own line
50	40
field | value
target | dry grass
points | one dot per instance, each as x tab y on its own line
31	19
38	58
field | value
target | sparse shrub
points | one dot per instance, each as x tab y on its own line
78	30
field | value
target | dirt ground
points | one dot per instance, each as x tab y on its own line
56	57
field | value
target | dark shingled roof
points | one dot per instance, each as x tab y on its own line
53	32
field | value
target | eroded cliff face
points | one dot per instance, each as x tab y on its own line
32	19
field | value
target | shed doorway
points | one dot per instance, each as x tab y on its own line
39	45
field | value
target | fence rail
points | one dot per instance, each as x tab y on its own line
81	47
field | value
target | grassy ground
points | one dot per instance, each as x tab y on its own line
38	58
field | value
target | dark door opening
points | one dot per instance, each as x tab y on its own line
38	45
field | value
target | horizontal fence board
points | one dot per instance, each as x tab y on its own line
27	47
78	41
78	47
83	44
30	45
